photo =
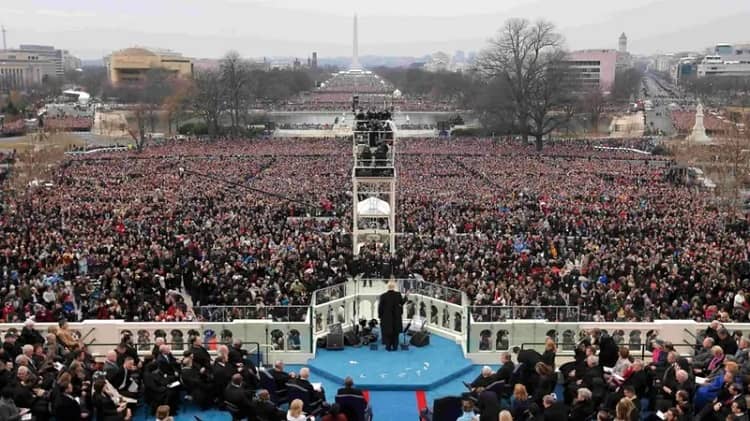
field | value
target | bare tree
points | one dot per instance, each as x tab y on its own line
208	98
236	78
593	105
529	57
141	113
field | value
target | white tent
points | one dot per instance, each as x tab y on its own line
373	207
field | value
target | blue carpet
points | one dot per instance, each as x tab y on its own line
415	369
394	405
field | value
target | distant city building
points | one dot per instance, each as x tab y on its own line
726	60
71	62
20	70
593	68
623	44
314	64
684	68
599	67
132	64
439	62
63	60
664	62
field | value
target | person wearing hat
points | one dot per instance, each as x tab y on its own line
10	346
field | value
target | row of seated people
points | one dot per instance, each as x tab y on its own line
604	382
45	377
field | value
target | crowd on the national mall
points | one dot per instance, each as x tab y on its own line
186	222
158	235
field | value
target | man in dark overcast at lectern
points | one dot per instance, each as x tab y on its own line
389	311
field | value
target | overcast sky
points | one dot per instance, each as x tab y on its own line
257	28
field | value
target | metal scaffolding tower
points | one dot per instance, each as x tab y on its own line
374	180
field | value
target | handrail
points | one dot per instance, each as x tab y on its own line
502	313
144	348
289	313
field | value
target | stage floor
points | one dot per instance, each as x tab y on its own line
415	369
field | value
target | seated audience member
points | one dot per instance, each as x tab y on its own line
317	397
295	412
553	409
505	372
624	410
239	397
520	402
704	355
66	407
280	376
488	405
583	407
485	378
197	383
265	410
335	413
8	408
467	406
104	406
349	389
162	413
159	389
29	335
545	382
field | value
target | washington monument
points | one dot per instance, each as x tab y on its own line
355	47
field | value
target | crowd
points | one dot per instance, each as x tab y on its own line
13	128
67	117
572	225
54	376
604	382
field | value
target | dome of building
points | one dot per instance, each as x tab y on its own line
136	51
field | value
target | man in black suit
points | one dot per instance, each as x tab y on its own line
317	397
29	335
390	309
222	373
265	410
280	376
196	383
111	368
485	378
237	355
583	407
124	379
349	389
201	357
505	372
238	396
554	410
527	358
167	363
11	347
156	350
638	381
66	408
